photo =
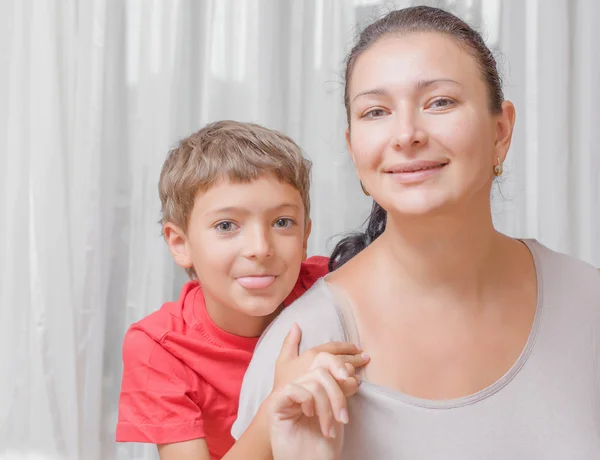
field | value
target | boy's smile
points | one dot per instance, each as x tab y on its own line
246	242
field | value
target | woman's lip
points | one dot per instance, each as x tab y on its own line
411	177
415	166
256	282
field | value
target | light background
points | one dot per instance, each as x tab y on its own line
93	94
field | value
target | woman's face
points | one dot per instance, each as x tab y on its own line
421	134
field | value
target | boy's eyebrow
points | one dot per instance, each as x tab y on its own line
420	85
237	209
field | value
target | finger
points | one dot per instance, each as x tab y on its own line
289	349
334	364
357	360
350	387
322	406
308	407
350	369
341	367
336	348
349	382
330	402
289	396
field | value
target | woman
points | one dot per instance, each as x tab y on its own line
481	345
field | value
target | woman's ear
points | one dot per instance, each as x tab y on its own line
505	124
178	245
349	146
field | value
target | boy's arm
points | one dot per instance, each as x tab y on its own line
253	444
196	449
158	400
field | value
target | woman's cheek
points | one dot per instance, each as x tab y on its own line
368	146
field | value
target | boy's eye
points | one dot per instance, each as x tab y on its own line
225	226
284	222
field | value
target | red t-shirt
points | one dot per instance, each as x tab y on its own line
182	374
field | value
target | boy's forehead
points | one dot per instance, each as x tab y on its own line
265	191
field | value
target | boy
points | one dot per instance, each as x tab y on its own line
235	215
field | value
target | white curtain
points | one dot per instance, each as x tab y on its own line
93	94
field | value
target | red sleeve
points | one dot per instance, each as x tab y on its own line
311	270
157	402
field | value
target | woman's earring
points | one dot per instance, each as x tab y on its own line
364	189
498	168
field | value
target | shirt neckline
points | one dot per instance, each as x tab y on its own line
204	324
480	395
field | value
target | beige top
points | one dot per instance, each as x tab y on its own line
546	407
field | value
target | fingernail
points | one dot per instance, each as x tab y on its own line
344	416
343	374
332	432
365	356
358	378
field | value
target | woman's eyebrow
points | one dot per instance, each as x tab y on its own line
420	85
375	91
425	83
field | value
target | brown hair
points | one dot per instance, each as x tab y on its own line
397	23
429	19
241	152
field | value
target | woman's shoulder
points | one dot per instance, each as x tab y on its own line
560	269
567	285
317	314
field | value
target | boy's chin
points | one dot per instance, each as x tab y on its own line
259	307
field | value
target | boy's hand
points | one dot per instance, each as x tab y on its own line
341	358
306	417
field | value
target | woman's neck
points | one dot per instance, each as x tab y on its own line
460	250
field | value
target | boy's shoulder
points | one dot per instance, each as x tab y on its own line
172	317
165	338
172	366
311	270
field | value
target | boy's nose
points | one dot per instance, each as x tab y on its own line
259	244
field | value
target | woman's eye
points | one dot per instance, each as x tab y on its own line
375	113
284	223
441	103
226	226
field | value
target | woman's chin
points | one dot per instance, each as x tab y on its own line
419	207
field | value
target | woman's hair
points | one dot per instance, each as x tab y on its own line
352	244
398	23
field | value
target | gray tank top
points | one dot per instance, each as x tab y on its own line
546	407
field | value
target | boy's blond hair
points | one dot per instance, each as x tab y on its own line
240	152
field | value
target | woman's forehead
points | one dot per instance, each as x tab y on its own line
411	59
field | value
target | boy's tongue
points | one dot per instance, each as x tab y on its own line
256	282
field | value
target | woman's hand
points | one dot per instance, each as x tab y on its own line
306	417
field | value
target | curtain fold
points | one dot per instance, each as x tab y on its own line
95	93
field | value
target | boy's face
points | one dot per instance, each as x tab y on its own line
246	242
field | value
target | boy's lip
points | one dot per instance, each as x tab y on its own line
256	281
